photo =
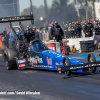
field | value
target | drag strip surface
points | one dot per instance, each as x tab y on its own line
50	84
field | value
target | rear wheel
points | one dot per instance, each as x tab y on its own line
9	58
66	62
91	58
7	66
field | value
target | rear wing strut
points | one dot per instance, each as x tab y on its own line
17	18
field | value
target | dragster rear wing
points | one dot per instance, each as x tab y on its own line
17	18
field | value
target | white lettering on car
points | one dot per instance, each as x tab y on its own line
36	60
33	60
58	55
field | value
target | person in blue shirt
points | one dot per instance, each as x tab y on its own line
11	39
18	33
11	35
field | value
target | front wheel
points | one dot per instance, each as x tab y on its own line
66	62
91	58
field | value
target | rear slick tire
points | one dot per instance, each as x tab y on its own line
9	58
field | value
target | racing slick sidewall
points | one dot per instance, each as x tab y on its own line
10	55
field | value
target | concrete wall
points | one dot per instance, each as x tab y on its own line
76	42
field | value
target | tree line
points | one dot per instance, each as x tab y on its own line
63	11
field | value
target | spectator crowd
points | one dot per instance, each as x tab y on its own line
56	32
67	30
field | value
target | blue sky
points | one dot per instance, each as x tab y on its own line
26	3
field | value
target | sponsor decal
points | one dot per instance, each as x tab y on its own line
81	63
32	64
28	48
42	66
59	63
58	55
59	72
21	61
51	46
59	69
49	61
86	66
69	57
50	66
35	60
22	65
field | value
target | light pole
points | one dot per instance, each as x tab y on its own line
31	5
78	10
43	20
13	8
31	9
44	30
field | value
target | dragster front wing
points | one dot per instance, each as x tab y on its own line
76	67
